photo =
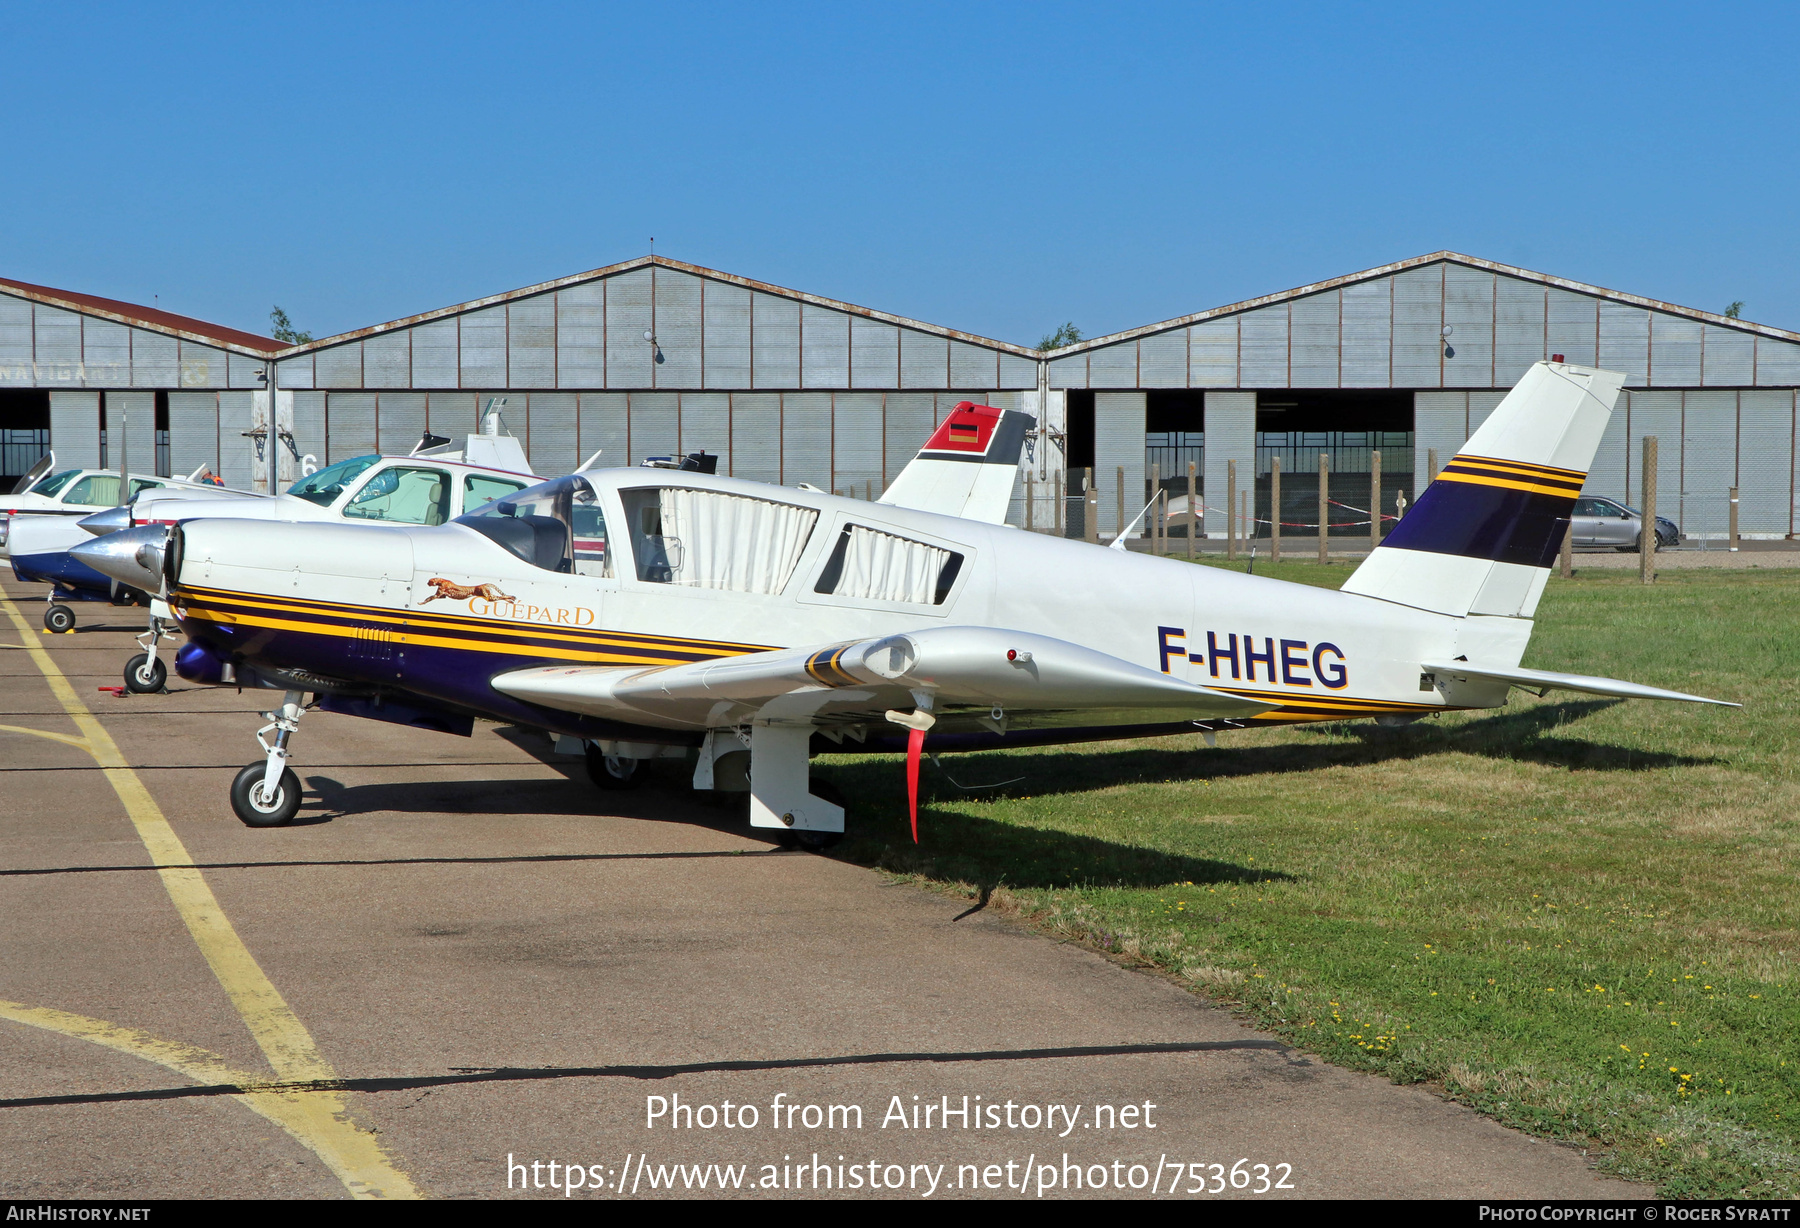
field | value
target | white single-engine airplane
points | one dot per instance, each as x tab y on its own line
652	613
438	481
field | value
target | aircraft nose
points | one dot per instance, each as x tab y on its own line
133	557
110	521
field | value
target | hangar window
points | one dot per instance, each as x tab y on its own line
24	434
706	539
877	566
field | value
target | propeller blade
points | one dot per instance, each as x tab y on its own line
915	744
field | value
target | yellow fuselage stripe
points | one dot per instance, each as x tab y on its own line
196	601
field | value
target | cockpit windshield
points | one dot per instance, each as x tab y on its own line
328	483
52	485
556	525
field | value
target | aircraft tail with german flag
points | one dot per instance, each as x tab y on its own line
1481	539
968	467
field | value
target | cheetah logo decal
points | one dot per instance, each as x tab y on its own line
451	591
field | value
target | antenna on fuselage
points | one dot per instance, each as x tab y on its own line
491	421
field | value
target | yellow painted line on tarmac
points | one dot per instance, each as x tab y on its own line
309	1116
317	1119
77	743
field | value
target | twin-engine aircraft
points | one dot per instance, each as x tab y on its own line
651	613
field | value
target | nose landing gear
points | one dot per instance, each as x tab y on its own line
144	674
267	793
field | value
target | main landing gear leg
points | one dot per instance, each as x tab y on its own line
144	674
781	793
267	793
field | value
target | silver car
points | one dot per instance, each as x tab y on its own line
1607	522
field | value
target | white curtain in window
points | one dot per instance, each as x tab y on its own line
727	541
883	567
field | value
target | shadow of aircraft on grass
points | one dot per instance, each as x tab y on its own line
1527	735
968	846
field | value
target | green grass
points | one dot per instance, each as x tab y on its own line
1578	916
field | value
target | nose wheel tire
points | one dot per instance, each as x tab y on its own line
59	618
144	676
613	771
256	810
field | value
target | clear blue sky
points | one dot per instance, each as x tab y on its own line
994	168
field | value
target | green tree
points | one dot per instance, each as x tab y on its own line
283	328
1066	334
1736	309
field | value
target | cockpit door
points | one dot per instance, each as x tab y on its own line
45	464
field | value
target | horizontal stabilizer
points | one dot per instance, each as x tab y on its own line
1549	680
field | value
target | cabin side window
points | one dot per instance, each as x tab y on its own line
706	539
554	525
877	566
96	489
593	557
403	496
479	490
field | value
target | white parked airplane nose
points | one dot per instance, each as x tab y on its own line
111	520
133	557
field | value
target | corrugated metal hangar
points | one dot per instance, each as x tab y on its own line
654	357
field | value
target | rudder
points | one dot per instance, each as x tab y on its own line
1482	537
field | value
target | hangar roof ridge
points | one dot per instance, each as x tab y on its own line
153	318
1399	266
625	266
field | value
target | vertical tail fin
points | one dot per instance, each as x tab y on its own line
1482	537
968	467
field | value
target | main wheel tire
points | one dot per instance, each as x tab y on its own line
825	791
613	771
249	804
144	676
59	618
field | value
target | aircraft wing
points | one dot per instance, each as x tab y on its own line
1541	680
963	678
